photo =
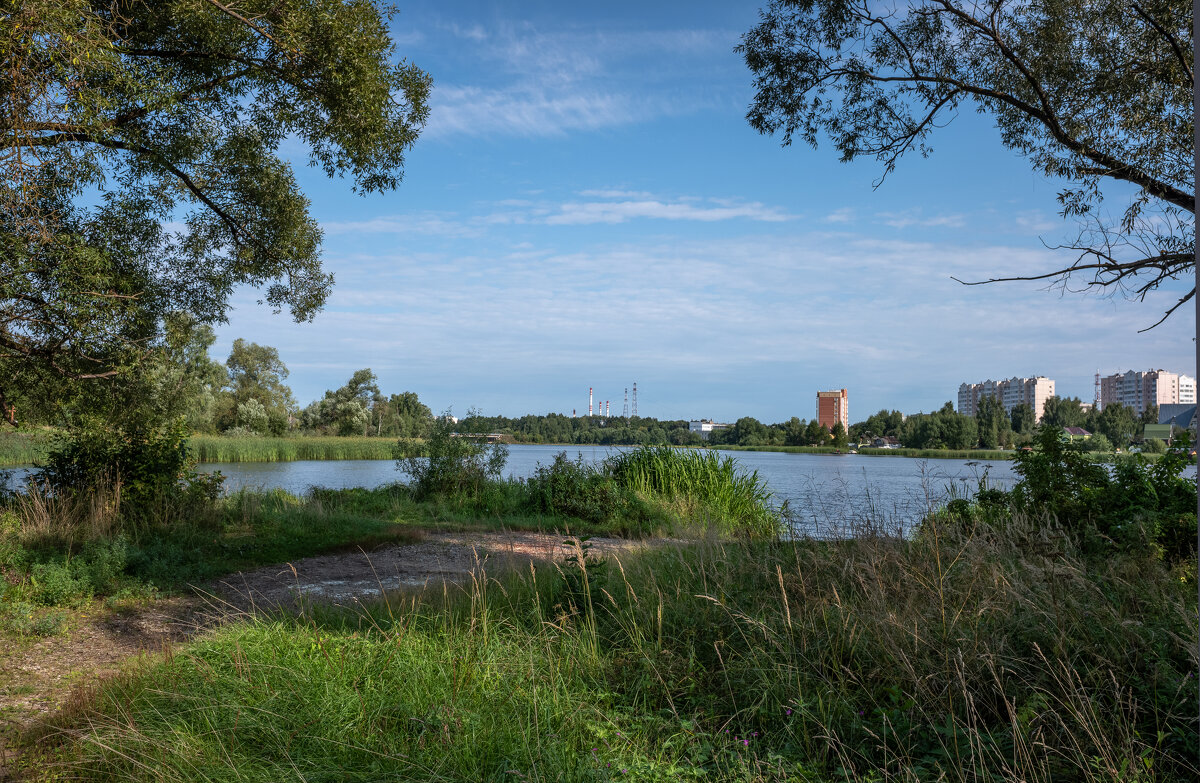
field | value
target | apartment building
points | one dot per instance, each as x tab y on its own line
1010	393
1138	390
832	407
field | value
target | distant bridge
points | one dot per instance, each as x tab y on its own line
490	437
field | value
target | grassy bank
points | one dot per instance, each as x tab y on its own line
216	448
965	654
23	448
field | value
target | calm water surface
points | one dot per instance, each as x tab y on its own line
824	492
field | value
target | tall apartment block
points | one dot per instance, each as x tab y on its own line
1152	387
1012	392
832	407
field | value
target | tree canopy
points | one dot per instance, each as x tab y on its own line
1089	91
141	172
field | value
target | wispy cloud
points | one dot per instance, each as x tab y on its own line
525	111
539	83
582	213
762	309
915	217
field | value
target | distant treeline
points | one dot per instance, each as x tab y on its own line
247	396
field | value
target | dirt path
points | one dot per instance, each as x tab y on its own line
37	677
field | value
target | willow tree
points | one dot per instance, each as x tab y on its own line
142	175
1089	91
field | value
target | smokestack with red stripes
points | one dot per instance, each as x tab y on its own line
589	401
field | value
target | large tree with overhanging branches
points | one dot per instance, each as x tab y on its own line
1092	92
141	167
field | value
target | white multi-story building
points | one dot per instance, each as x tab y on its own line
1010	393
706	427
1138	390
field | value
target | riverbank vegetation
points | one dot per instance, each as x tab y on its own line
1045	633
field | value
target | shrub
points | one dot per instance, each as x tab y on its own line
714	486
449	463
573	488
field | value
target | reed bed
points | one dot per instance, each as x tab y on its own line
216	448
23	448
709	482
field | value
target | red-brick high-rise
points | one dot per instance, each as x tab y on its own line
832	407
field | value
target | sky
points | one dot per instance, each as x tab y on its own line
588	207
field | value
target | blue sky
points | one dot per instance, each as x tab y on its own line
588	207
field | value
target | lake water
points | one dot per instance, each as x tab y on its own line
824	492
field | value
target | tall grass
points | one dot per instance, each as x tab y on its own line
706	482
964	655
216	448
23	448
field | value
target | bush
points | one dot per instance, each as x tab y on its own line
1154	446
1137	507
450	464
574	489
1098	443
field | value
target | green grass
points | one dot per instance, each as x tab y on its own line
961	655
216	448
735	500
23	448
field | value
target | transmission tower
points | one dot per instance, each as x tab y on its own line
625	410
635	399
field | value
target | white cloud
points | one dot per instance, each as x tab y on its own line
915	217
525	111
622	211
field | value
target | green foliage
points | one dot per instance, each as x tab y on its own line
348	410
716	490
1154	446
573	488
1139	507
146	463
1098	443
248	447
450	463
1088	93
142	176
943	429
258	399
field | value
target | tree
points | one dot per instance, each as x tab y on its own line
994	426
1023	419
838	435
346	411
1063	412
1119	423
1090	91
140	167
256	373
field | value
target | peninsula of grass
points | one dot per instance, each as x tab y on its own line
220	448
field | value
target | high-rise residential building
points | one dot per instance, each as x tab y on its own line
833	407
1138	390
1010	393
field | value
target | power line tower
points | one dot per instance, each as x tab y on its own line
625	410
635	399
